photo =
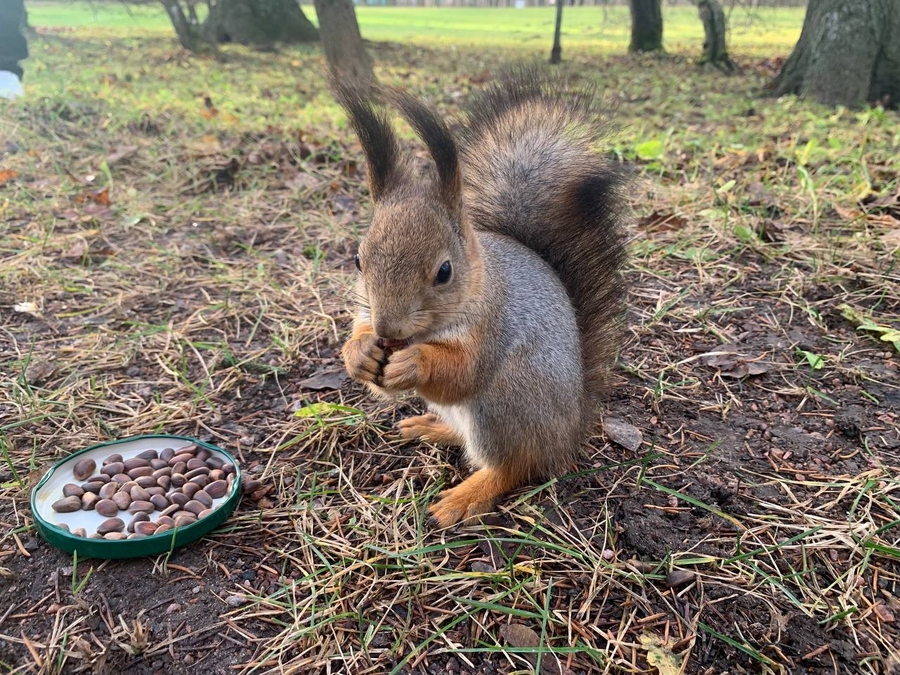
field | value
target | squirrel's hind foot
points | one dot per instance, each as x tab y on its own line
430	429
475	496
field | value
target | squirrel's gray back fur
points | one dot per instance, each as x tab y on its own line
530	172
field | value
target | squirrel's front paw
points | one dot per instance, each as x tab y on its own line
404	370
364	359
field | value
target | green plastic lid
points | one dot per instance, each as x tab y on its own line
49	490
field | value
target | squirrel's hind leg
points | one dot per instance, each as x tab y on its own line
476	495
430	429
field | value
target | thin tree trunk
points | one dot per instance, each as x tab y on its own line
848	53
188	34
344	51
258	22
556	52
715	28
646	26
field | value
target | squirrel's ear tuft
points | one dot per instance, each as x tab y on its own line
384	168
437	138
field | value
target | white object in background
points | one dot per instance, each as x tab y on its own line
520	4
10	87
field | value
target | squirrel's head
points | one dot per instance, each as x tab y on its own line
419	259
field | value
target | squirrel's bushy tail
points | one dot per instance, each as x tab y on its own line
530	171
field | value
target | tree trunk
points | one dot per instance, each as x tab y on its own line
258	22
646	26
715	27
188	33
344	51
556	52
848	53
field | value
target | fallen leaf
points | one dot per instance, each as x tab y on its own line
7	175
883	612
39	370
731	363
121	153
99	197
27	308
330	412
622	433
517	635
660	655
659	221
326	380
863	322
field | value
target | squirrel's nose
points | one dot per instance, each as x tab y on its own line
385	329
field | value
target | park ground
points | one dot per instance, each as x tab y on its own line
176	250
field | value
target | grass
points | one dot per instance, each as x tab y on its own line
177	246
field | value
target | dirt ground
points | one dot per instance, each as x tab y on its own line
755	528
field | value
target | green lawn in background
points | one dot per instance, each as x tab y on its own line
763	32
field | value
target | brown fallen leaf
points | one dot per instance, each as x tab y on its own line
325	380
731	363
99	197
7	175
121	153
659	221
517	635
38	371
883	613
622	433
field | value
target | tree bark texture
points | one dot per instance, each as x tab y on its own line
646	26
258	22
715	28
556	52
848	53
344	50
188	33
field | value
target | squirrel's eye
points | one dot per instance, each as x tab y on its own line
443	275
356	260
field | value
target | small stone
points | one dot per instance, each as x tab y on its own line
107	507
67	504
72	490
236	600
83	469
111	525
174	607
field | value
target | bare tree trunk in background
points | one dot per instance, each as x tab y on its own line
344	50
646	26
188	33
556	52
848	53
258	22
715	28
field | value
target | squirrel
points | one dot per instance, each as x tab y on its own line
492	287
